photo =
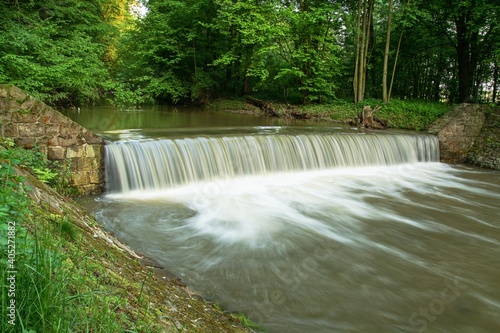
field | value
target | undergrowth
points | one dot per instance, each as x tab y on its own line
402	114
51	280
52	173
58	275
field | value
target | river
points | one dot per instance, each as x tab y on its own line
394	242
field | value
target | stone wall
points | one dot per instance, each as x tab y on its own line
31	123
458	130
486	150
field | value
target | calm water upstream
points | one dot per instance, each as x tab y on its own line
304	227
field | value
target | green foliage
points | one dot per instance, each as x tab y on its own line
73	52
245	321
52	173
403	114
57	49
411	115
55	285
13	200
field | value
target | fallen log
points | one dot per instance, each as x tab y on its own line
265	106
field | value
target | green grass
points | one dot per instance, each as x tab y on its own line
414	115
69	277
37	276
55	284
402	114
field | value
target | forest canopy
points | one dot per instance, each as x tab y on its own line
75	52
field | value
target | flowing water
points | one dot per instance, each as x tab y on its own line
313	229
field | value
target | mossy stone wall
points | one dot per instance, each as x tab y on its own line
31	123
458	130
486	149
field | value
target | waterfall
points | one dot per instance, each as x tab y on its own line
157	164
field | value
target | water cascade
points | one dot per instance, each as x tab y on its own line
159	164
314	231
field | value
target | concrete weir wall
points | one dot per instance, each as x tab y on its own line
31	123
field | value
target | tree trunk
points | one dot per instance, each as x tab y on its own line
463	53
395	64
357	56
368	119
246	78
362	48
385	95
495	82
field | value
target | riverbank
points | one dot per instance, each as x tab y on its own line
408	115
71	275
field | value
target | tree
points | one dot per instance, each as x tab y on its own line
309	47
385	95
56	49
467	24
362	42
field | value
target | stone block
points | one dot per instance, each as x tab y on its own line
67	141
74	151
23	117
90	189
39	107
79	164
26	142
52	129
69	128
42	141
4	90
10	130
86	164
28	104
95	177
44	119
53	141
80	140
12	105
44	150
89	150
92	138
80	178
16	93
56	153
32	130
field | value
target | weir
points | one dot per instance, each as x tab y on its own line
311	217
159	164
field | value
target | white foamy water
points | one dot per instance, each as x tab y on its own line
160	164
412	247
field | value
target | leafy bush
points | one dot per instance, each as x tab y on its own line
51	173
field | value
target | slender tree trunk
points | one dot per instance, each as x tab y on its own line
385	95
473	63
463	53
357	56
248	61
395	64
495	82
362	57
369	16
362	49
